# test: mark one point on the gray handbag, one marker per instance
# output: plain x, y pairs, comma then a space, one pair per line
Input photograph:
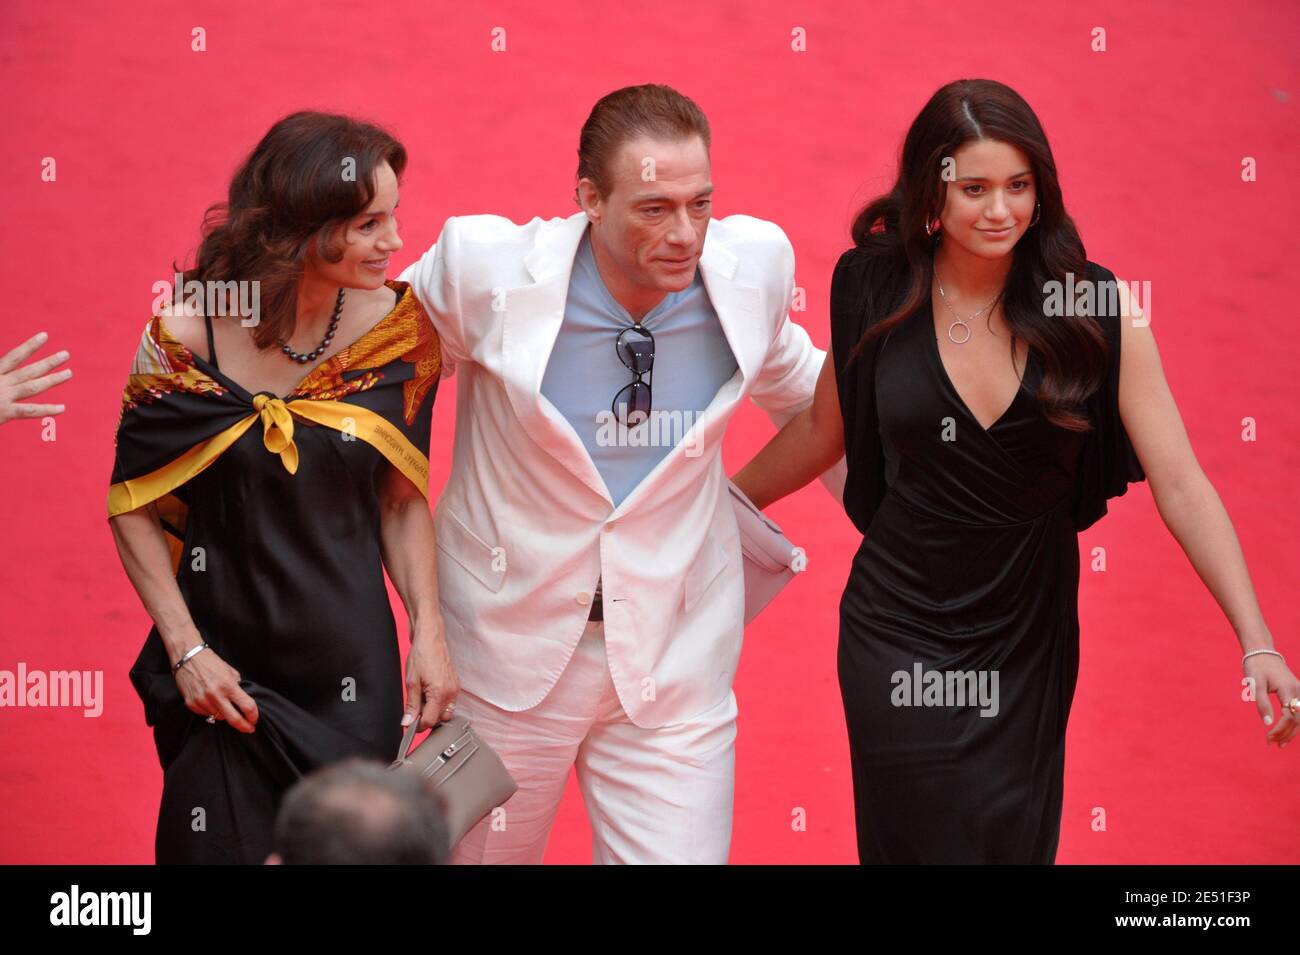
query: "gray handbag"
465, 771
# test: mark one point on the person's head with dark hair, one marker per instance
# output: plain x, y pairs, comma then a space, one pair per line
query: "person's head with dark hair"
977, 188
360, 812
643, 179
315, 199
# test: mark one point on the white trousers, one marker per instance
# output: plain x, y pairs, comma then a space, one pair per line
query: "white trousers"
653, 795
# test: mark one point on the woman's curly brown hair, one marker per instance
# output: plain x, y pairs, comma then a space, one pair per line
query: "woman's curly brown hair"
308, 177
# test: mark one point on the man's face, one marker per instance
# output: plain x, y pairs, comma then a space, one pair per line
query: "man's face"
652, 223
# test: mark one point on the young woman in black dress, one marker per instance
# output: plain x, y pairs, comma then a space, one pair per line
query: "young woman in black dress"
983, 430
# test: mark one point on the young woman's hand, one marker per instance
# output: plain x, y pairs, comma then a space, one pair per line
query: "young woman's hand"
1271, 675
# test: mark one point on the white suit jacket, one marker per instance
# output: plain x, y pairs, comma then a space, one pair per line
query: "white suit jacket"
525, 525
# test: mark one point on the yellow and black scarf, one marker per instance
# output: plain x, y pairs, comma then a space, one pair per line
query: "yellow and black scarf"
180, 413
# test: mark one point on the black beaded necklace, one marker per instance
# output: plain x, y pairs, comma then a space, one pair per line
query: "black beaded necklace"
319, 350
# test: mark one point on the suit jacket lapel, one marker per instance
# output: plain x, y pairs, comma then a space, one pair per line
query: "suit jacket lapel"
533, 316
736, 306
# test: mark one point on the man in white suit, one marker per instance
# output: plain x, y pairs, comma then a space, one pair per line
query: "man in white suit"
589, 562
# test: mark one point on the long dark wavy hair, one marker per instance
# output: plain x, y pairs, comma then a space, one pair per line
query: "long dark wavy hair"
1073, 349
292, 194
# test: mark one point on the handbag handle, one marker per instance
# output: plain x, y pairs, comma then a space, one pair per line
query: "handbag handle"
408, 737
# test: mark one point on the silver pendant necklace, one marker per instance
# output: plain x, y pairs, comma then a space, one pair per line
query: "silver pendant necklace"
958, 319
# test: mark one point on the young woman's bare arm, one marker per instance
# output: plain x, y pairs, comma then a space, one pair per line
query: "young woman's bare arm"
1193, 512
810, 442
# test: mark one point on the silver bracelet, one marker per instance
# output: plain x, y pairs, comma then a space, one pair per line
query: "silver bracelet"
188, 654
1253, 652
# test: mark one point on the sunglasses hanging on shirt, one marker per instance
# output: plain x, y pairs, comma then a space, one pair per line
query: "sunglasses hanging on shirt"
636, 349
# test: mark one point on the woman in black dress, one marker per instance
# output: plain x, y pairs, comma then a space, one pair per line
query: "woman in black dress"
257, 528
986, 415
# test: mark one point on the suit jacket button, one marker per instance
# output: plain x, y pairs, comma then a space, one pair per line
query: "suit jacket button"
584, 598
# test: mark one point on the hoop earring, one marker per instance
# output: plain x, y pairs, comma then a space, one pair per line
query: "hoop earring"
928, 230
1038, 214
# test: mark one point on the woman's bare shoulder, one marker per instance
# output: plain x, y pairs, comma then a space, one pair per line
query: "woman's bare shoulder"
186, 326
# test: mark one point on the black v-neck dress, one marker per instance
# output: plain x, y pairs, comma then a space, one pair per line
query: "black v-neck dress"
959, 629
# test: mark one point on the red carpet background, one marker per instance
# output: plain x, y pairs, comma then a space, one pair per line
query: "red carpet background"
1149, 138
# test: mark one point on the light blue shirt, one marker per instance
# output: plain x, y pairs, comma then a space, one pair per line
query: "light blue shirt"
583, 374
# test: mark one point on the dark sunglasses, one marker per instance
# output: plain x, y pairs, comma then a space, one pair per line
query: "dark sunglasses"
636, 349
